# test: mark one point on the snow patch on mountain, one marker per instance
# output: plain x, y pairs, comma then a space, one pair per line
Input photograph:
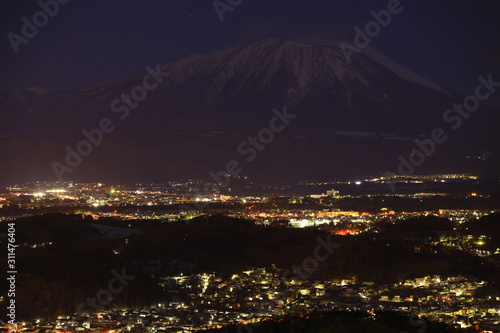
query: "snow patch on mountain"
403, 72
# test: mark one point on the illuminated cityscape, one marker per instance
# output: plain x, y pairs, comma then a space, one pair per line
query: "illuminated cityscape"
198, 299
248, 166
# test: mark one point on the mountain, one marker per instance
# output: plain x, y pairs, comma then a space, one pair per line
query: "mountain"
352, 118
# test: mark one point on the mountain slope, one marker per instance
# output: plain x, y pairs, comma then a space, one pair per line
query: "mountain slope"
233, 91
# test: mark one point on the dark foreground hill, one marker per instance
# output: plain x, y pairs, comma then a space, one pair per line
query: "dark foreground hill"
345, 322
64, 259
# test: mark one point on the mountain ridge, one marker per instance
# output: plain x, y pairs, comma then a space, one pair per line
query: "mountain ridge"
233, 91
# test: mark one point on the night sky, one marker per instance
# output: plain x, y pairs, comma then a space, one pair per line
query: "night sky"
89, 42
